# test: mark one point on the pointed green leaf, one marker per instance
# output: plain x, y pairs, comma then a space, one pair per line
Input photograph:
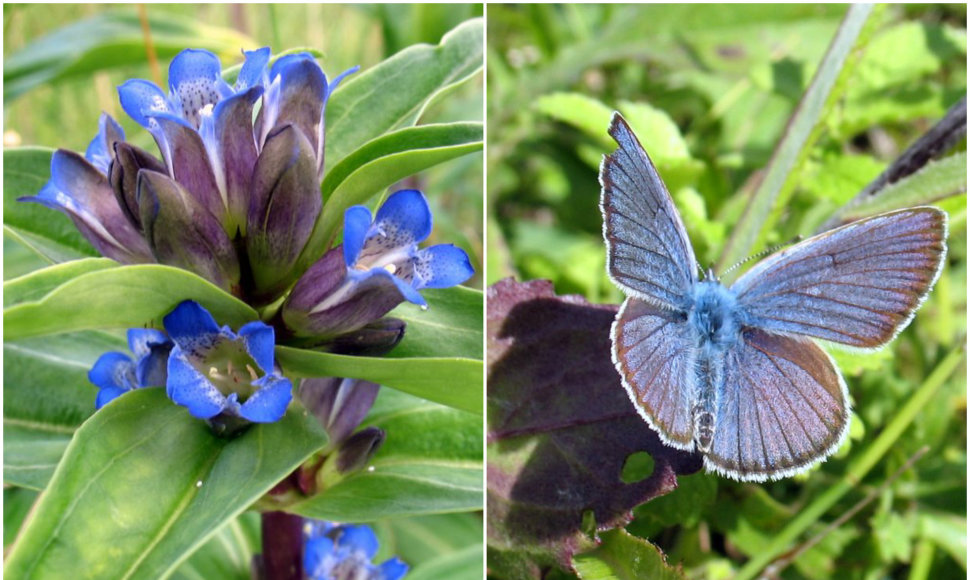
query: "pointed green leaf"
456, 382
46, 397
109, 40
143, 484
450, 327
147, 291
394, 93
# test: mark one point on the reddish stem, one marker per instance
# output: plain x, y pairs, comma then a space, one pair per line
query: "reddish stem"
282, 546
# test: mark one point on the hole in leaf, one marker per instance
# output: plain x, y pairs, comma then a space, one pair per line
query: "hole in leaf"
637, 467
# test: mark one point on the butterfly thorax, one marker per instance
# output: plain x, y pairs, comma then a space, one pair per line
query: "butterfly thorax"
714, 315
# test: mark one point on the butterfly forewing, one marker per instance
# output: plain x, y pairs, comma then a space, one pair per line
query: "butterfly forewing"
654, 353
648, 252
783, 407
857, 285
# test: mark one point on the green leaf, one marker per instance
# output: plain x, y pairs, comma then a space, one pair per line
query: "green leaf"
948, 531
227, 555
35, 285
935, 181
16, 505
803, 130
396, 92
450, 327
420, 539
147, 291
161, 479
49, 233
622, 556
46, 397
431, 462
110, 40
19, 259
382, 163
465, 564
587, 114
456, 382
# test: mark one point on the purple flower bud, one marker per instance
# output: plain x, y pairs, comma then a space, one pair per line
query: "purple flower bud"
283, 207
182, 233
79, 187
339, 404
356, 452
123, 175
375, 339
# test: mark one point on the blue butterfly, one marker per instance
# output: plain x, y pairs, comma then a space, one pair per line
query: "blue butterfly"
733, 372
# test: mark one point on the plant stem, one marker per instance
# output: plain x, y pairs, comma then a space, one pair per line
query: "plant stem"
282, 546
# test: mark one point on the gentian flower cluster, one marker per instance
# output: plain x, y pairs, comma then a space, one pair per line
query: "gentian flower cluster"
344, 552
234, 197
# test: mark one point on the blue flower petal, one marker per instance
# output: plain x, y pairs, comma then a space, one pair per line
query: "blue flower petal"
285, 61
318, 556
393, 569
360, 538
187, 387
195, 79
101, 149
260, 340
269, 403
139, 98
113, 370
191, 327
336, 81
141, 340
441, 266
404, 218
357, 220
107, 395
253, 68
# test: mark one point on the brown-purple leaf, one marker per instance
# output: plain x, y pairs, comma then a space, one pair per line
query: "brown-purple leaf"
560, 429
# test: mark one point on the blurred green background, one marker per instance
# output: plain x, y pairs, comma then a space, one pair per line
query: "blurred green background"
63, 62
709, 90
61, 66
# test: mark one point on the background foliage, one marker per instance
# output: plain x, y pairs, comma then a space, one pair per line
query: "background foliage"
61, 67
709, 90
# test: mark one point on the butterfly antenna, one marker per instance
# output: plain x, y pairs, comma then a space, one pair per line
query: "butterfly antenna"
763, 253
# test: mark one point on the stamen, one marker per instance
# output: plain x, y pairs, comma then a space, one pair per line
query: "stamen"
213, 372
252, 373
391, 268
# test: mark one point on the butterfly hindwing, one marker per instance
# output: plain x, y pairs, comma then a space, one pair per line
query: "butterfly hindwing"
857, 285
648, 251
783, 407
655, 355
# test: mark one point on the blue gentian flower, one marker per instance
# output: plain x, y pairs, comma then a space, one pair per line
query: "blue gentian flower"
344, 552
213, 371
115, 373
378, 267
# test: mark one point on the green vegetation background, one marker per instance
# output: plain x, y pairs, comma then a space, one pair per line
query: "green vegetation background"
709, 89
